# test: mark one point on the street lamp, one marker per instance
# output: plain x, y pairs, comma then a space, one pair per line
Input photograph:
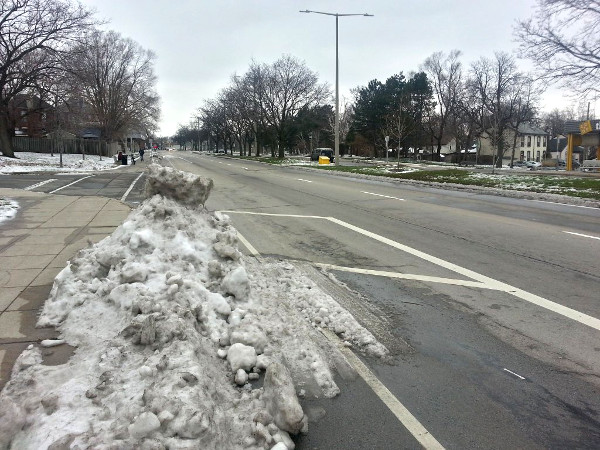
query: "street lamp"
337, 78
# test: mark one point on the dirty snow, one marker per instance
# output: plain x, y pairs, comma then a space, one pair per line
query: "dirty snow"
45, 162
8, 209
181, 342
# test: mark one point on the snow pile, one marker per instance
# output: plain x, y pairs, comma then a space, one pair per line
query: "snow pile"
8, 209
45, 162
187, 189
181, 342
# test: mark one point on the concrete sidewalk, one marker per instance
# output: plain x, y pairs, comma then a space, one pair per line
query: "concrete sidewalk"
47, 231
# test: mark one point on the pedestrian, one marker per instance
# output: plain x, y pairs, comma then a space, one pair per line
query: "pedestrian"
141, 154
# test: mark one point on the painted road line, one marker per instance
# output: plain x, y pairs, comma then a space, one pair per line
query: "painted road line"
251, 213
492, 284
575, 315
582, 235
565, 204
410, 422
384, 196
41, 183
249, 246
407, 276
515, 374
306, 181
131, 187
70, 184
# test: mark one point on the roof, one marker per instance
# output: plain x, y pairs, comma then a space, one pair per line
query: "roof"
133, 134
94, 133
527, 128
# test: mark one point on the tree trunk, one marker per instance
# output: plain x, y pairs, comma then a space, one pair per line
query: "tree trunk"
514, 148
5, 137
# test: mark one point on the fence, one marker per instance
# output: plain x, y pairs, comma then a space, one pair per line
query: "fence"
78, 145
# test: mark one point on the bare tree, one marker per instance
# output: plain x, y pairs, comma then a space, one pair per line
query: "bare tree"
289, 86
115, 76
33, 35
563, 38
445, 73
497, 89
526, 95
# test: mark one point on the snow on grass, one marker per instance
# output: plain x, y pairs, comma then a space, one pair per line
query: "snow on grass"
181, 342
45, 162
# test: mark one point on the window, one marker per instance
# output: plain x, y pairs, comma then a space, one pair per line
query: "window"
528, 141
528, 155
544, 141
522, 141
538, 140
537, 157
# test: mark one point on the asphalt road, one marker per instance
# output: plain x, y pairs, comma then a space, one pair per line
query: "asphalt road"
489, 305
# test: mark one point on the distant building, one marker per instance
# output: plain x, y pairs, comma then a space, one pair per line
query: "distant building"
531, 144
30, 116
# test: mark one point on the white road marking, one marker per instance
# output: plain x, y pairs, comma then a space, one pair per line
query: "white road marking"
249, 246
565, 204
41, 183
380, 195
515, 374
70, 184
411, 423
577, 316
582, 235
407, 276
131, 187
306, 181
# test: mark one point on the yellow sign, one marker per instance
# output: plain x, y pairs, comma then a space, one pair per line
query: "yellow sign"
585, 127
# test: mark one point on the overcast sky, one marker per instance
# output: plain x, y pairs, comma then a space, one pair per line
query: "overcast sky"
199, 44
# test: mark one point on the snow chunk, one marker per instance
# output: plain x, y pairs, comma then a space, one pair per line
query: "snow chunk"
241, 377
250, 334
236, 283
187, 189
145, 424
281, 400
241, 356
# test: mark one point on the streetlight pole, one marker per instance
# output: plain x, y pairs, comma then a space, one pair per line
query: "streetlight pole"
337, 78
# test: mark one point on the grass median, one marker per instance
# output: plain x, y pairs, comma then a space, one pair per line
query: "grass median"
573, 186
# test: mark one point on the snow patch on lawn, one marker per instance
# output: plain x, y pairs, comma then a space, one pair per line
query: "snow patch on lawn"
44, 162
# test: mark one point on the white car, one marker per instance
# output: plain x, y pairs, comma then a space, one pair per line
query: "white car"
533, 165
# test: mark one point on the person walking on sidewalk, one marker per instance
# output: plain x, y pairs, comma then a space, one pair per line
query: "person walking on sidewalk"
141, 154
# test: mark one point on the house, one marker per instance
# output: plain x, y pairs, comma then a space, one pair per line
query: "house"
136, 140
30, 116
530, 145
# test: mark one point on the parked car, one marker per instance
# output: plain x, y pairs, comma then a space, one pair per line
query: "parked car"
533, 165
563, 163
314, 155
519, 163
